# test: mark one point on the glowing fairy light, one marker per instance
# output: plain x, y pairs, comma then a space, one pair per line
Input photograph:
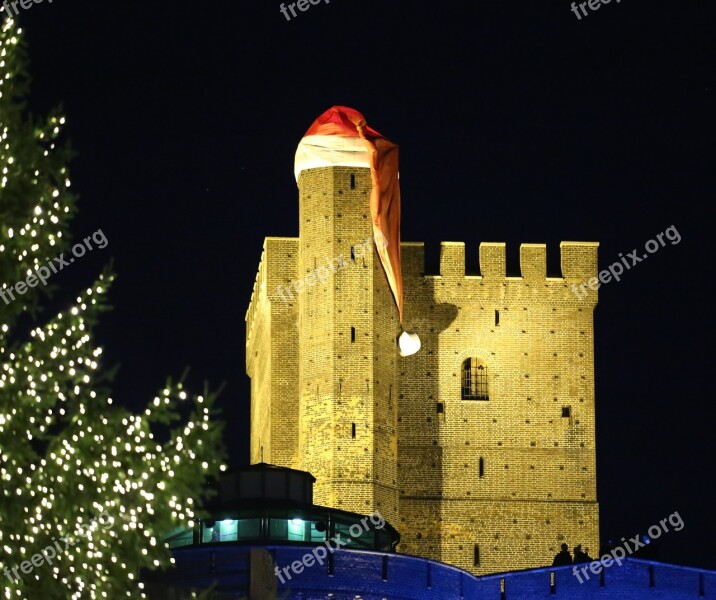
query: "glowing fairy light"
67, 455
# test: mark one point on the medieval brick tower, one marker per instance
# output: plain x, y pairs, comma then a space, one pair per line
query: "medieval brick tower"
480, 448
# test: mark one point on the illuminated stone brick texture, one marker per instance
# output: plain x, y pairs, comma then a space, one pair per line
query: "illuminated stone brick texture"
480, 448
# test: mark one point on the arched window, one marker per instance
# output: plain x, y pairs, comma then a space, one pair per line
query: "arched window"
474, 380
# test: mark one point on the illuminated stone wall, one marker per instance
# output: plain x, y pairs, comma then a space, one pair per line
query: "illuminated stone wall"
535, 434
330, 394
338, 327
271, 330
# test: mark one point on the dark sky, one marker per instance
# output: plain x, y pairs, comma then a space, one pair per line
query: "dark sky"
517, 122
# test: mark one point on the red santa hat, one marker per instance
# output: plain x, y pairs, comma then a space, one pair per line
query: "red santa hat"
341, 137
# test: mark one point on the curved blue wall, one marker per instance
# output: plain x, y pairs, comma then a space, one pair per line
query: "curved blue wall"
378, 576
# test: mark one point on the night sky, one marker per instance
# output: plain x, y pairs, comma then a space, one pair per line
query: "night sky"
517, 122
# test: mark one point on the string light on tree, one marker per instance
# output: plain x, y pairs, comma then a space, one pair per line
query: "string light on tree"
67, 452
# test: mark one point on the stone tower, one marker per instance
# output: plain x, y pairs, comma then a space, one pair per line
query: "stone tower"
480, 449
347, 325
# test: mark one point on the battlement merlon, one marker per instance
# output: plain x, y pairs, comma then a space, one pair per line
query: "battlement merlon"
493, 260
578, 261
278, 266
533, 262
412, 259
452, 259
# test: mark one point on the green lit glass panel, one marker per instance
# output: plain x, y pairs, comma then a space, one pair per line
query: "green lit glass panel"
297, 530
366, 539
317, 531
228, 530
248, 529
210, 534
180, 537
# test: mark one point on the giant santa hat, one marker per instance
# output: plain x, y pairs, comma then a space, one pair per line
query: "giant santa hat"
340, 137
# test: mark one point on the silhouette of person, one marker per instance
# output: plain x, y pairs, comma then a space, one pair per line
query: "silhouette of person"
579, 556
563, 557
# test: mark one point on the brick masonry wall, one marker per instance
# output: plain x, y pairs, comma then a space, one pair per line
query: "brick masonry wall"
347, 327
314, 380
272, 329
538, 486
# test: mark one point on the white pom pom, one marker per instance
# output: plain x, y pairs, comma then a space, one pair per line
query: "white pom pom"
409, 343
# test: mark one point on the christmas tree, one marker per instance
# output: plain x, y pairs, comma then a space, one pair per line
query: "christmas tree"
86, 488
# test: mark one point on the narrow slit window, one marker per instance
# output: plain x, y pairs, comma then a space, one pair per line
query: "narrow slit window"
353, 253
440, 408
497, 318
482, 467
353, 334
353, 181
353, 430
477, 555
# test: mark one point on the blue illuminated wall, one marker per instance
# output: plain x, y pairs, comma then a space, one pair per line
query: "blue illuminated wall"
378, 576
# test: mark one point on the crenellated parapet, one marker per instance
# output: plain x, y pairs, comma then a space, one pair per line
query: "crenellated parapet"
258, 295
578, 261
